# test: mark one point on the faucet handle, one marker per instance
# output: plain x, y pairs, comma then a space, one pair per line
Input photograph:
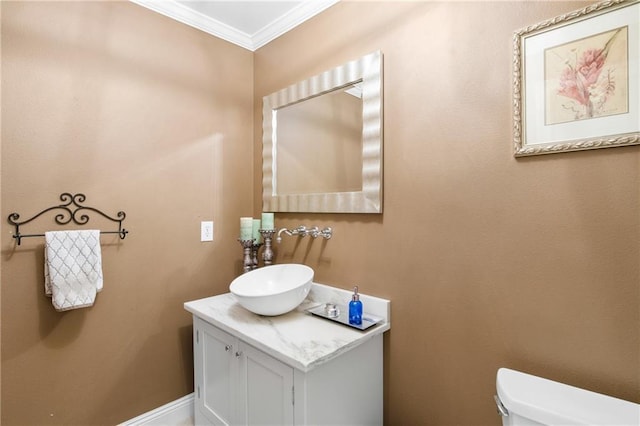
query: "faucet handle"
326, 233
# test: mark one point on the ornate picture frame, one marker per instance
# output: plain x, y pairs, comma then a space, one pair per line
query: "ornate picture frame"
576, 80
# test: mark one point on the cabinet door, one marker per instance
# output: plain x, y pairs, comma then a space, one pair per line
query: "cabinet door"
266, 394
215, 374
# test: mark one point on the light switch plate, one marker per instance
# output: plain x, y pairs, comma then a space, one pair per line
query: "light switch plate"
206, 231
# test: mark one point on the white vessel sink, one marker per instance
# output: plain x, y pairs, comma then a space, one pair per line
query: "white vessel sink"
273, 290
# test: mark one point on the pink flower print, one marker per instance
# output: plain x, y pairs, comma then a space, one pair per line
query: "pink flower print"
571, 87
590, 65
575, 83
582, 83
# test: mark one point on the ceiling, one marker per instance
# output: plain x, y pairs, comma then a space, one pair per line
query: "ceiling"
249, 24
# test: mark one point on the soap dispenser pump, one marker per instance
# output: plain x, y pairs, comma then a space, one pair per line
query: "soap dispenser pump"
355, 308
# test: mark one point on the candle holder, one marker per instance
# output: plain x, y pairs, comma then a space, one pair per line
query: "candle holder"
247, 262
267, 254
254, 254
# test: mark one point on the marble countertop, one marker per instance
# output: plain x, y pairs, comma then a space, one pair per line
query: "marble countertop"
297, 338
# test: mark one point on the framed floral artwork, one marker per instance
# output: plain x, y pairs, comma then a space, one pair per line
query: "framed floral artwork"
576, 80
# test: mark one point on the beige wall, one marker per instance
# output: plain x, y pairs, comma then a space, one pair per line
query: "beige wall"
142, 114
489, 261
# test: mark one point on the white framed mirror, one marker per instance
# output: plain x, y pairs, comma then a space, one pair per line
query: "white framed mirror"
322, 142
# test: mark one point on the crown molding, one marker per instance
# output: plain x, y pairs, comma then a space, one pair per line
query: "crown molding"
296, 16
181, 13
288, 21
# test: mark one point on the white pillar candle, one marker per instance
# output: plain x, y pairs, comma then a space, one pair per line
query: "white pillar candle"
246, 228
267, 221
256, 231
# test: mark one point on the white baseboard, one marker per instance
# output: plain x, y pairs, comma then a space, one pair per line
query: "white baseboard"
178, 412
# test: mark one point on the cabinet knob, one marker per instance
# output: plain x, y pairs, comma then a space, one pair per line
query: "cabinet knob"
238, 354
227, 348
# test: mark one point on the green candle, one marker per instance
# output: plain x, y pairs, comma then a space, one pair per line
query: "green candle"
256, 231
246, 228
267, 221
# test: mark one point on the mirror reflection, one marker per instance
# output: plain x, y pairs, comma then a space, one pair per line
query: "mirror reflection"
319, 143
322, 142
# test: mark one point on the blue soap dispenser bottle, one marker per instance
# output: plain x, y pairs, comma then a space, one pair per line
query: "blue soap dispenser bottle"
355, 308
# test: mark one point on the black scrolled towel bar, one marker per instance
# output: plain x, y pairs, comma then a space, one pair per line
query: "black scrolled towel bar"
71, 210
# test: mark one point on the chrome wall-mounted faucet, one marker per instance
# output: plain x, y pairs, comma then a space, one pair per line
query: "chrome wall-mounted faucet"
303, 231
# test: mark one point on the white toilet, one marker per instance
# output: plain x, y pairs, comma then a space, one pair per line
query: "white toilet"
526, 400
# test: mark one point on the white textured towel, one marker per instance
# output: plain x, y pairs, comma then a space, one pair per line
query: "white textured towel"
72, 268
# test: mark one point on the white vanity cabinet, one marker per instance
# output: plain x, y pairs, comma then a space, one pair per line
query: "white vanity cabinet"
237, 384
294, 369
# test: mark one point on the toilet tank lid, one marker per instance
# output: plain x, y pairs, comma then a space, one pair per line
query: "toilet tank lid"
550, 402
